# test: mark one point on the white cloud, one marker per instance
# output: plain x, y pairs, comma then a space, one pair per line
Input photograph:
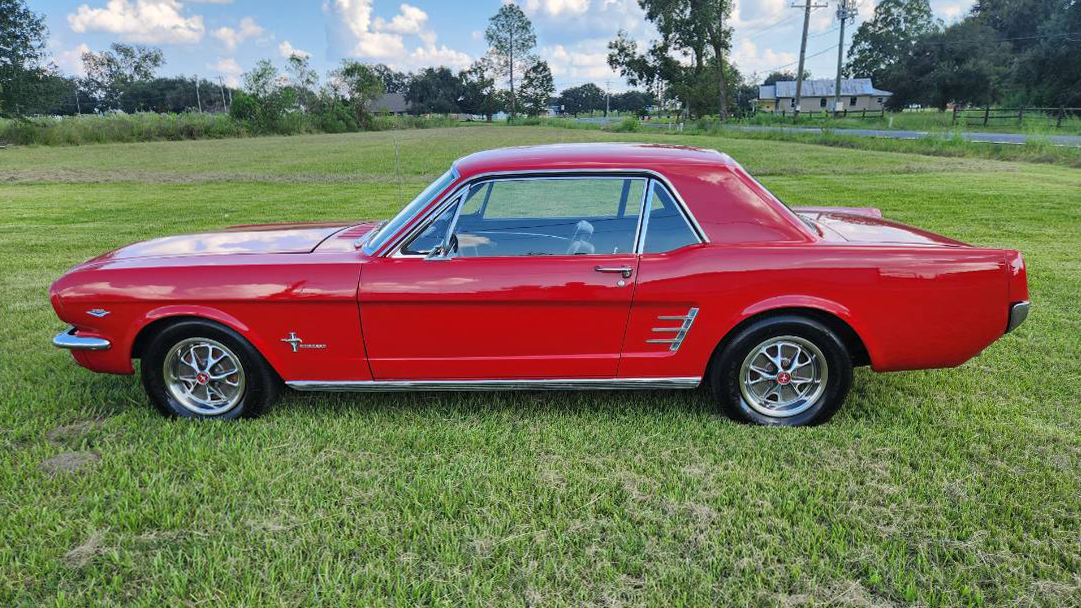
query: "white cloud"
287, 50
556, 8
72, 60
426, 56
356, 17
569, 21
586, 61
146, 21
229, 68
247, 28
353, 30
749, 59
409, 20
761, 13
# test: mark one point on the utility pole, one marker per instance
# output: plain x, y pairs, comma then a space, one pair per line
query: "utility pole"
845, 10
78, 108
221, 85
806, 6
198, 101
607, 97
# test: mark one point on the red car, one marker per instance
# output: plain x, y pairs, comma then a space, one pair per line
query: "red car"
580, 266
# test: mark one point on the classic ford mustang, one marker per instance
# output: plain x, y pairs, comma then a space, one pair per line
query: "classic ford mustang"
580, 266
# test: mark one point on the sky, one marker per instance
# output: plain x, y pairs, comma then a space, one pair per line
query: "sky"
224, 38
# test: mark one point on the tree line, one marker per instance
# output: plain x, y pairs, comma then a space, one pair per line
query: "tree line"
125, 78
1017, 53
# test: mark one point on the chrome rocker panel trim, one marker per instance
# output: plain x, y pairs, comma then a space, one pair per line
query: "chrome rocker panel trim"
382, 386
67, 339
1018, 314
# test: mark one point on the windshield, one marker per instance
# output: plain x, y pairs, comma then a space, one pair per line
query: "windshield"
388, 229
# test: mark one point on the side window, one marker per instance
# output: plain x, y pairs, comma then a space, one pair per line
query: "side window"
431, 236
550, 216
666, 228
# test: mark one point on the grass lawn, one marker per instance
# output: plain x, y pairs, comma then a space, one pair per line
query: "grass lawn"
938, 488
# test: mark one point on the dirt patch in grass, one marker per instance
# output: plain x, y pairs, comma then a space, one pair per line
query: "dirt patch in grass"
73, 431
82, 554
69, 462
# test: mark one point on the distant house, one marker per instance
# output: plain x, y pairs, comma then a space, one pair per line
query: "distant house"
389, 103
817, 96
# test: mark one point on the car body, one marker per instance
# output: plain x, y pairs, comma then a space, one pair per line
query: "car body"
535, 267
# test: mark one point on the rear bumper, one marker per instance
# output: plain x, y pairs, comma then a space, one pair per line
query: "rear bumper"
1018, 314
68, 340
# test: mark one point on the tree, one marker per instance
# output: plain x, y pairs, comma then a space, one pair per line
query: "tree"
510, 40
785, 76
537, 88
1050, 69
887, 39
584, 98
265, 103
435, 91
479, 94
636, 102
696, 28
361, 85
303, 79
393, 80
22, 49
963, 64
111, 74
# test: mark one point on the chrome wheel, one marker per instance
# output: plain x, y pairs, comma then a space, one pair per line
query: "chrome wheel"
204, 376
783, 376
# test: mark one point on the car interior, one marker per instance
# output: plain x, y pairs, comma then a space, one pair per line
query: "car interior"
507, 218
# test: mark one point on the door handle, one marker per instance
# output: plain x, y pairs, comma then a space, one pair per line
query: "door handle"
623, 270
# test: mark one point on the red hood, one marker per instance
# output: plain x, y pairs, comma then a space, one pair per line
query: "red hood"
266, 238
869, 227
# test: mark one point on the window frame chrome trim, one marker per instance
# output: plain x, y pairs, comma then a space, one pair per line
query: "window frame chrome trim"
562, 384
648, 207
394, 245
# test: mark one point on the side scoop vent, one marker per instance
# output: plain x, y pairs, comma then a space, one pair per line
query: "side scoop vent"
679, 332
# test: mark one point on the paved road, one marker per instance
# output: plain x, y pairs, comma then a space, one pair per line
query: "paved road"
990, 138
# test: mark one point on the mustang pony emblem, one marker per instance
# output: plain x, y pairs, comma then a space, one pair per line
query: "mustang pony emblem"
296, 343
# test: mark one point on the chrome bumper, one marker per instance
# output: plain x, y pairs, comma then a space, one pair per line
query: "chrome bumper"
1018, 314
67, 339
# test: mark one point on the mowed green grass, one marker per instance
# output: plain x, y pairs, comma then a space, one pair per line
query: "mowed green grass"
937, 488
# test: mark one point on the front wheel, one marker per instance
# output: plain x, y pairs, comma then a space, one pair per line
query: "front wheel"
199, 369
786, 370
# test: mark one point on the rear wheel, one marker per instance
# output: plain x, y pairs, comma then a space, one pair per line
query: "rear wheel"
786, 370
199, 369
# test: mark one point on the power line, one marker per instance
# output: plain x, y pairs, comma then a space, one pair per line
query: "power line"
787, 65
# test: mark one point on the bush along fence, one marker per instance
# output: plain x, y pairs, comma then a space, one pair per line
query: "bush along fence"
987, 115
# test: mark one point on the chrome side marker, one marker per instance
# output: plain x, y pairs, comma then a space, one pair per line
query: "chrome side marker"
681, 331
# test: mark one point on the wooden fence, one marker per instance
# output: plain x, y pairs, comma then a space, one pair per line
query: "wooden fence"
988, 116
865, 113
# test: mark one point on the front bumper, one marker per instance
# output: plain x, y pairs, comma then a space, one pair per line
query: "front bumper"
68, 340
1018, 314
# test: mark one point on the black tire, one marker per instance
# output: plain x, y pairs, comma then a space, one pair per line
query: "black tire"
726, 381
260, 385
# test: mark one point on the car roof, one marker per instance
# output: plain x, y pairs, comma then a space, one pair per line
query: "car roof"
586, 156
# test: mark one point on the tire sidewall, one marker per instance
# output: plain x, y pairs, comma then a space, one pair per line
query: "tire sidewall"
259, 381
725, 376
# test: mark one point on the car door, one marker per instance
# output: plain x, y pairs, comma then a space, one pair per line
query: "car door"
513, 278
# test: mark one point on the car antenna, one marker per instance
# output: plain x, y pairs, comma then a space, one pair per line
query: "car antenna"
397, 163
